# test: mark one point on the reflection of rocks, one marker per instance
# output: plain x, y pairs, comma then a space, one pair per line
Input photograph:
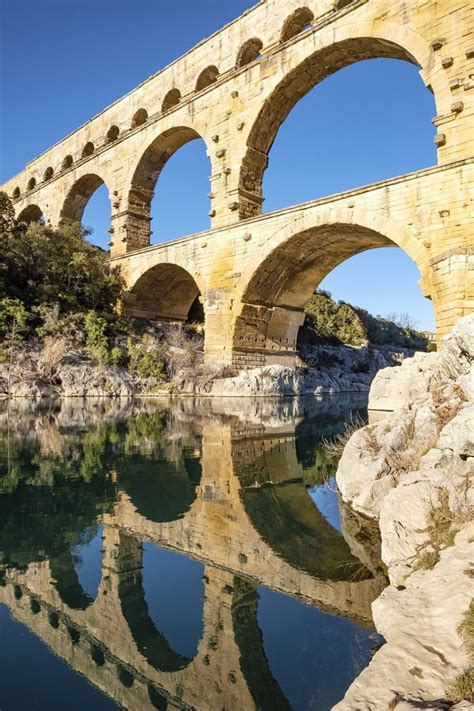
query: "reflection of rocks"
413, 472
363, 538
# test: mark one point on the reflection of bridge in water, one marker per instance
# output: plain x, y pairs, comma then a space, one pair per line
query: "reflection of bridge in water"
247, 503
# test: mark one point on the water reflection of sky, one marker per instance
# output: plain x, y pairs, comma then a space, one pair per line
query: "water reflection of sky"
325, 498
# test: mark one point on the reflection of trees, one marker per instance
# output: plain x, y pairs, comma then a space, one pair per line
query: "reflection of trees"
160, 490
55, 481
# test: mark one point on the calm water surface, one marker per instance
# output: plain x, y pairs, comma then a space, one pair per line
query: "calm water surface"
180, 555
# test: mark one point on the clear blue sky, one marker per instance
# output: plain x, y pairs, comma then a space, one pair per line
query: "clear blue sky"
62, 61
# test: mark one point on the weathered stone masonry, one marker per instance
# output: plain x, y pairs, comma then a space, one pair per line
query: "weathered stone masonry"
254, 273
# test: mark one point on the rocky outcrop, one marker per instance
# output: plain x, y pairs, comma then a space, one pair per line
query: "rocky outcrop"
413, 473
339, 369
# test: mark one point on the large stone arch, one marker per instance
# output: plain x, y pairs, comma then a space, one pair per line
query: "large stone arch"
145, 177
292, 262
78, 196
166, 291
31, 213
318, 58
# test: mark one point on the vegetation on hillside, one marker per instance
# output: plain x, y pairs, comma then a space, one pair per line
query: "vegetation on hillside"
342, 323
60, 293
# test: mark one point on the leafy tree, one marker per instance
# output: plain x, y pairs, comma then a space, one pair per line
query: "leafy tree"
41, 265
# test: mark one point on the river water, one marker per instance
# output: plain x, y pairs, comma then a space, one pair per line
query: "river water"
180, 555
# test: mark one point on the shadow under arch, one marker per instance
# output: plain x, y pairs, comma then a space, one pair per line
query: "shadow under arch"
32, 213
294, 263
160, 490
78, 196
167, 292
296, 84
145, 177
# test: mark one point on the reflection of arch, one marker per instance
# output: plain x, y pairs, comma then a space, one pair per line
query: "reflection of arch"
67, 583
293, 262
296, 23
172, 98
78, 197
139, 118
300, 80
159, 493
264, 688
157, 700
150, 642
249, 52
289, 522
165, 291
32, 213
146, 175
207, 77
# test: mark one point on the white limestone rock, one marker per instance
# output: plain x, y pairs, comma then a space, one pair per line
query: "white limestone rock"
424, 651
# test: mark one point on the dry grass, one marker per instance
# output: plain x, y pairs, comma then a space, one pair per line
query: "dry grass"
444, 522
462, 688
54, 351
426, 561
334, 447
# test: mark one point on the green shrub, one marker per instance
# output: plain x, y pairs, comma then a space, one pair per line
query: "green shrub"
13, 320
146, 359
96, 340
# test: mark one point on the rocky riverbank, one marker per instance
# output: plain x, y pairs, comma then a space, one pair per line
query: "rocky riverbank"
412, 471
328, 369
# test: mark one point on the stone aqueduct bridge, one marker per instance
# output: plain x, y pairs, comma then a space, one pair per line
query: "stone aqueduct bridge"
253, 272
113, 641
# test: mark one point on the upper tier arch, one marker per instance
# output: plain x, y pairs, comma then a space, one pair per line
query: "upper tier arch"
333, 51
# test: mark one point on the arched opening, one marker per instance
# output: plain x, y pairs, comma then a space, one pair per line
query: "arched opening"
78, 571
67, 162
32, 213
274, 299
88, 202
157, 700
88, 150
172, 98
249, 52
112, 134
48, 174
16, 193
299, 20
163, 606
165, 292
342, 3
139, 118
352, 102
207, 77
31, 184
180, 206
